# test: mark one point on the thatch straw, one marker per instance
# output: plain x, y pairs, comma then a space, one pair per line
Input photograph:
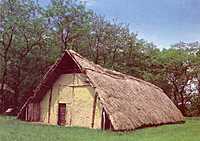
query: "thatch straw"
130, 102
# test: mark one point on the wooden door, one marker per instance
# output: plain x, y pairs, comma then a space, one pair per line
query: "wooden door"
105, 121
61, 114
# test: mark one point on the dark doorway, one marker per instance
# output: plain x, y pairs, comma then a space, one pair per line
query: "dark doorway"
105, 121
61, 114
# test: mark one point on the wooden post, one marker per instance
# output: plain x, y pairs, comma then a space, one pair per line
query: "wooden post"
103, 118
26, 109
73, 95
49, 108
94, 110
38, 111
32, 111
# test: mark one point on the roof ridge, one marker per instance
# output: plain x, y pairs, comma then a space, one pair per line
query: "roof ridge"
112, 73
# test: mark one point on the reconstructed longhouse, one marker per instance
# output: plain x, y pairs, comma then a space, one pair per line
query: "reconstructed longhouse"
77, 92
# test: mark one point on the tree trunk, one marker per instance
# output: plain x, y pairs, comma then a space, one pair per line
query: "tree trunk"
16, 104
113, 57
3, 84
183, 106
96, 61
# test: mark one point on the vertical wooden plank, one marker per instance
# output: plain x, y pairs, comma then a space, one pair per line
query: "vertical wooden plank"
49, 107
32, 112
26, 116
35, 111
38, 109
103, 118
94, 110
73, 95
29, 112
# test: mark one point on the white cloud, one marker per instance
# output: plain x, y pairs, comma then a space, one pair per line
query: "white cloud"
89, 2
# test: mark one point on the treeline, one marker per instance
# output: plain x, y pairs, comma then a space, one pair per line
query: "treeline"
32, 37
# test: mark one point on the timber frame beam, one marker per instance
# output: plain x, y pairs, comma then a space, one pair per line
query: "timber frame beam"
49, 106
94, 110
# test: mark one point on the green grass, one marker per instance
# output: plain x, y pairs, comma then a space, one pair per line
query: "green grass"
14, 130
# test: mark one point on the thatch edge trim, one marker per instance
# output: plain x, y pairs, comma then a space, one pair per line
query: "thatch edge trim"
151, 126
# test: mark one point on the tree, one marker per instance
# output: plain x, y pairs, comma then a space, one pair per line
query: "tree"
68, 21
176, 74
21, 37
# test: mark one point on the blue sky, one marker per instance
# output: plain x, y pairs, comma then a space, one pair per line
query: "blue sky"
163, 22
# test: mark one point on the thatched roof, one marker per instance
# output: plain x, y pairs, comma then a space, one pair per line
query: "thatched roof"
130, 102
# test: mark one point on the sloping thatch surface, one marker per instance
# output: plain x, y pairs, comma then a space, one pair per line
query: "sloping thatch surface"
130, 102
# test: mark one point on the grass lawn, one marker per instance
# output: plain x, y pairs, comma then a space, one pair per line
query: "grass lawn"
14, 130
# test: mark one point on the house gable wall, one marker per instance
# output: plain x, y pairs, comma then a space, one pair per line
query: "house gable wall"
74, 91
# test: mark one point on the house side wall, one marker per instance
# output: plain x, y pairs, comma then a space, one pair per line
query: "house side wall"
98, 112
33, 112
74, 91
83, 104
44, 108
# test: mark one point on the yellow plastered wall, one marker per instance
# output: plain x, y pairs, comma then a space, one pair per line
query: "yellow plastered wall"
78, 95
98, 112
